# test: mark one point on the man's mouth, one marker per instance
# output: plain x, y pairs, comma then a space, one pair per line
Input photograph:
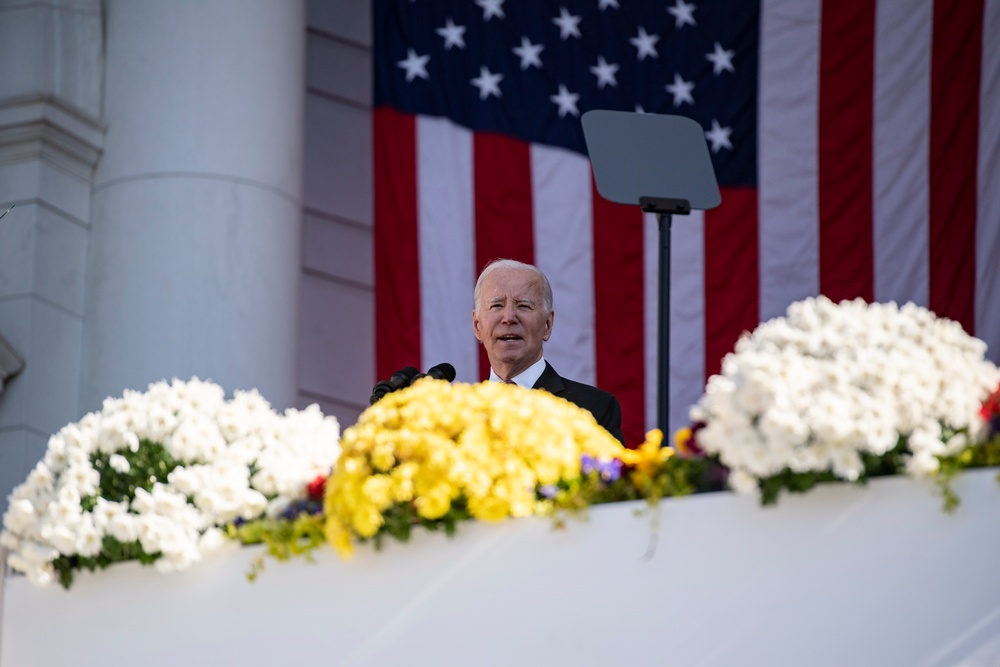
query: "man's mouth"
508, 338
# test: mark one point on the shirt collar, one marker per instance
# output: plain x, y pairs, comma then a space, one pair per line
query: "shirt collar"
528, 378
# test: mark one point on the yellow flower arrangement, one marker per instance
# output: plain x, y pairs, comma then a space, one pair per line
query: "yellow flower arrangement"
435, 454
438, 452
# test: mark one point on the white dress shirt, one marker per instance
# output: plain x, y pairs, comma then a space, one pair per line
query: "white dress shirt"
527, 379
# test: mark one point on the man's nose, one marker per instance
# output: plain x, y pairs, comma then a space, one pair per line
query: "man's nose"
509, 313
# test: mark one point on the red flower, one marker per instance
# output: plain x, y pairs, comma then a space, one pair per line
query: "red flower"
991, 406
316, 487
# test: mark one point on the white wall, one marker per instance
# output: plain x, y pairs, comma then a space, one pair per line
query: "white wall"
337, 329
870, 576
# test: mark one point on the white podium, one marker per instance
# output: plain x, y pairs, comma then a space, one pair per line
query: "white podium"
877, 575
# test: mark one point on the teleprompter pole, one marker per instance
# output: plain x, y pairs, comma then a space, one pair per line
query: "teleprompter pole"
663, 316
664, 208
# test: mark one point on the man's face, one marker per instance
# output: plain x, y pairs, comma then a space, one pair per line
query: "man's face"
510, 320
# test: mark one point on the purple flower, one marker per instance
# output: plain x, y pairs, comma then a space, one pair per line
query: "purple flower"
588, 464
610, 470
548, 490
299, 507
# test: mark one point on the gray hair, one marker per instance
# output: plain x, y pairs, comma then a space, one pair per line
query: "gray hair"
513, 264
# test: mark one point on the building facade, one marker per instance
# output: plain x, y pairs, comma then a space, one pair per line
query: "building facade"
192, 192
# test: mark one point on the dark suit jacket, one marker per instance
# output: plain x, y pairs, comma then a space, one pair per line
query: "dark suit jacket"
601, 404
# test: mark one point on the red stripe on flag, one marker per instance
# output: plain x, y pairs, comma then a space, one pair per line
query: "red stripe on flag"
503, 205
732, 273
618, 310
397, 270
846, 103
955, 72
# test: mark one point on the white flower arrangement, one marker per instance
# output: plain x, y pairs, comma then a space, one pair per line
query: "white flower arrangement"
829, 384
154, 476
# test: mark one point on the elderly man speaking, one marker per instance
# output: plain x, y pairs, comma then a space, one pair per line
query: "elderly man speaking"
512, 319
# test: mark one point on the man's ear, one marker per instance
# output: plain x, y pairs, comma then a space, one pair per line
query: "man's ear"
475, 326
548, 325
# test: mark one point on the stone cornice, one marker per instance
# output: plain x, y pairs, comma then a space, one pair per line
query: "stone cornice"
43, 126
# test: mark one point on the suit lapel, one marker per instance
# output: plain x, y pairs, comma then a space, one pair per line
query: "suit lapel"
550, 381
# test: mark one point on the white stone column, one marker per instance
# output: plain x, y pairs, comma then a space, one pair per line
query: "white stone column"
194, 260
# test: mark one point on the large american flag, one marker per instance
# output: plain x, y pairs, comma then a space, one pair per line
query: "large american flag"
856, 145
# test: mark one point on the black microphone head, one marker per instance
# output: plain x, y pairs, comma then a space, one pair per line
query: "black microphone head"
443, 371
403, 377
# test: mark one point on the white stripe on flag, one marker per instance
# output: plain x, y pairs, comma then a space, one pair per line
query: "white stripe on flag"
787, 148
687, 316
447, 251
901, 148
988, 187
564, 251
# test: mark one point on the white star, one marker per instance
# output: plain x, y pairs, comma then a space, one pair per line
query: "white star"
681, 90
604, 4
454, 35
719, 136
566, 101
645, 43
683, 13
491, 8
568, 24
414, 65
605, 73
721, 59
529, 53
487, 83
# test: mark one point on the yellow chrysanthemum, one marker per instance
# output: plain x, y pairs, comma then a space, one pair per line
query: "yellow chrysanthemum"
378, 490
366, 520
434, 442
489, 508
340, 538
382, 457
434, 504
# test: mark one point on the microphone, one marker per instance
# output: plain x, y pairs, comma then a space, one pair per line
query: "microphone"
443, 371
401, 378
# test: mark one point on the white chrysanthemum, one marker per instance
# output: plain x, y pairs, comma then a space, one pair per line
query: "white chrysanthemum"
197, 438
9, 541
213, 541
119, 463
244, 415
105, 511
83, 478
217, 444
41, 479
816, 389
20, 515
56, 456
61, 536
123, 527
88, 537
